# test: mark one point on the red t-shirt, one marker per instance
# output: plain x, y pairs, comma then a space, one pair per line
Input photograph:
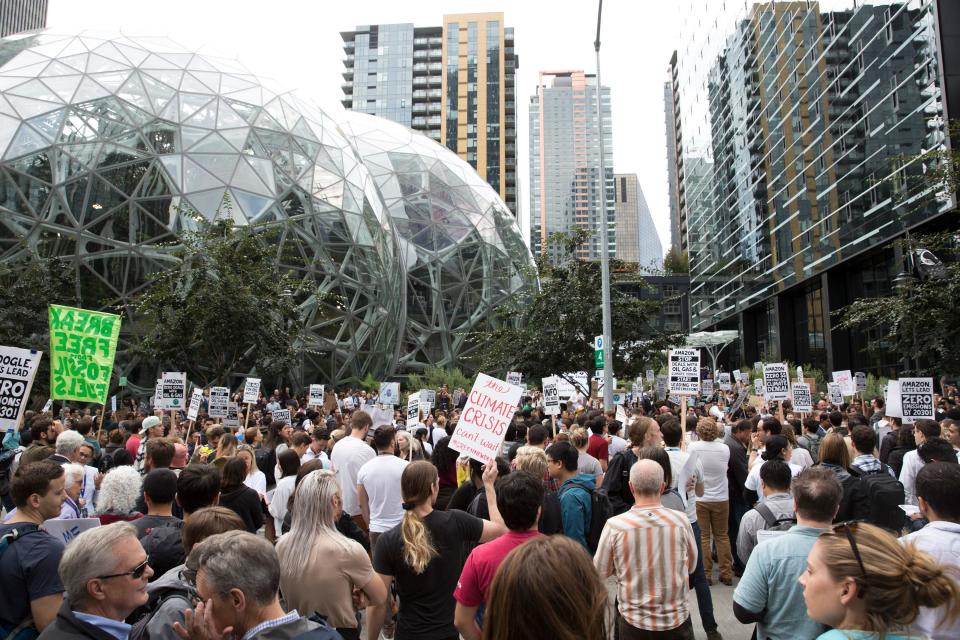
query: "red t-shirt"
133, 445
473, 587
597, 447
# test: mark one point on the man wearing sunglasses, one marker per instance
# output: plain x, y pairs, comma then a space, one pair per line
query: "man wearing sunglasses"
105, 573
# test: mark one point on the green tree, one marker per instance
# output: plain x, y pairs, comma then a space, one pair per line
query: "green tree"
225, 309
552, 332
676, 262
436, 377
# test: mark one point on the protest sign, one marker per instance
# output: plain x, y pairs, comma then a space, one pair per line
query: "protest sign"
217, 406
892, 399
835, 392
651, 377
316, 395
708, 388
381, 414
776, 381
724, 380
113, 404
48, 406
758, 388
845, 380
158, 394
621, 415
428, 396
860, 378
282, 415
684, 371
758, 366
916, 399
802, 400
598, 378
389, 393
67, 530
17, 370
413, 410
251, 390
173, 390
232, 418
83, 345
196, 399
514, 377
619, 398
551, 396
800, 374
485, 418
662, 382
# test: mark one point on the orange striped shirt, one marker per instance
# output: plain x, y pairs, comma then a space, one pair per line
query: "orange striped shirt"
652, 552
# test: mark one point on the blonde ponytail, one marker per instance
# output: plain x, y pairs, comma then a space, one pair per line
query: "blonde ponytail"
932, 586
416, 486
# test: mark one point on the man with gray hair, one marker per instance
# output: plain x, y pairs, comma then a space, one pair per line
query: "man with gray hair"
105, 573
67, 447
652, 552
238, 582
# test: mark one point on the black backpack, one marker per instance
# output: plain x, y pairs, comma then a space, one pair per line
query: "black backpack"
266, 460
772, 522
164, 547
6, 461
600, 511
884, 495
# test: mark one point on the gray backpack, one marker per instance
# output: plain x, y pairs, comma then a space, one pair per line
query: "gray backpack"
772, 522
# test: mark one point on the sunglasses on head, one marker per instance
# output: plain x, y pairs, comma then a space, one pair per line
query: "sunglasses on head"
849, 531
136, 573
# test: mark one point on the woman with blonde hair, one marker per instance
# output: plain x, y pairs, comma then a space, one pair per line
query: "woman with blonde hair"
835, 455
533, 460
409, 447
546, 588
586, 463
865, 584
425, 553
320, 568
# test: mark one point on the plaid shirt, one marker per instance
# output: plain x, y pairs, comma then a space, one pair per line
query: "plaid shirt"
868, 464
293, 616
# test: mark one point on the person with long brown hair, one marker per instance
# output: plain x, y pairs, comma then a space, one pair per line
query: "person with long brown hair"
546, 588
425, 554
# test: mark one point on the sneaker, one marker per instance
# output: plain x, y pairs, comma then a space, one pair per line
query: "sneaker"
714, 635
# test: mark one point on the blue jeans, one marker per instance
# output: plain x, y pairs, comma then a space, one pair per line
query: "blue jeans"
699, 581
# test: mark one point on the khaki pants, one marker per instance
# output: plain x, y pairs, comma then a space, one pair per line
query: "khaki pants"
713, 519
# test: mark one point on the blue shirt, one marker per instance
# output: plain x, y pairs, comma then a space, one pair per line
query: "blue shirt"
117, 628
849, 634
770, 582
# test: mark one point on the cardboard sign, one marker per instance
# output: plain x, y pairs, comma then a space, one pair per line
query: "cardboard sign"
282, 415
485, 418
380, 415
551, 396
802, 400
916, 399
662, 382
251, 390
835, 393
196, 399
316, 395
413, 410
758, 387
67, 530
173, 390
514, 377
708, 387
860, 378
892, 399
17, 370
233, 415
83, 345
724, 380
776, 381
389, 393
219, 397
684, 371
845, 380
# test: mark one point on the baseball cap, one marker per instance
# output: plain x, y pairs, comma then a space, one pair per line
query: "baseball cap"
148, 423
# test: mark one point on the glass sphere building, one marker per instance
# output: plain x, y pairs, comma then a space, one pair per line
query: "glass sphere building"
111, 145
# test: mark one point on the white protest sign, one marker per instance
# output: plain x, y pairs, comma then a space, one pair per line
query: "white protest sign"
113, 403
708, 388
485, 418
173, 390
217, 405
845, 380
514, 377
651, 376
916, 399
892, 399
618, 398
724, 380
17, 370
758, 388
551, 396
598, 378
835, 393
662, 382
158, 395
48, 405
758, 366
428, 396
316, 395
413, 410
621, 415
389, 393
282, 415
196, 399
684, 371
251, 390
776, 381
232, 419
802, 400
861, 380
67, 530
800, 374
381, 415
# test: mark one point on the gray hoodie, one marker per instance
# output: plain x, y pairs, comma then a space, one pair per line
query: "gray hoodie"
160, 626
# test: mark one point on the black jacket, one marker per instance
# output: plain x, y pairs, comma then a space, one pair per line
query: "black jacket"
736, 468
616, 481
67, 626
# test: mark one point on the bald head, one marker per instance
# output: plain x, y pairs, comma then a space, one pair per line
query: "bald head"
646, 478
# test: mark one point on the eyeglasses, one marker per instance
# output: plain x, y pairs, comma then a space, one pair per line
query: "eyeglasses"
848, 530
136, 573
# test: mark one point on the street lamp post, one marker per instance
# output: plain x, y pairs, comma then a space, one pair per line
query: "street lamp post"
604, 240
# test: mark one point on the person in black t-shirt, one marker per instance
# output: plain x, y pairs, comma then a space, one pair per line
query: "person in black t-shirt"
425, 555
159, 493
238, 497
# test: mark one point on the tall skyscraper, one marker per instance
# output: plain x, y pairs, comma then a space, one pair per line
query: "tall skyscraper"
802, 157
637, 239
17, 16
456, 83
671, 116
565, 185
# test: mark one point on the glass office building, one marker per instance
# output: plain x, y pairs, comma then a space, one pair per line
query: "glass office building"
800, 137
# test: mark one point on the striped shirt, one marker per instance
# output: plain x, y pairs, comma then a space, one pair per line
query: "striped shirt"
652, 552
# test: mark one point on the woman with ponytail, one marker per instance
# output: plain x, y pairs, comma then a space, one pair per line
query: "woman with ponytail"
425, 554
866, 585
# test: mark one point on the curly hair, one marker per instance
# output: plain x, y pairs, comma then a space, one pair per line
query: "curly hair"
707, 429
119, 491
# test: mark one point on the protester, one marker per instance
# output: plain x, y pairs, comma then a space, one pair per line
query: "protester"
408, 447
378, 485
119, 492
105, 573
652, 551
905, 443
317, 450
800, 456
43, 437
546, 588
151, 427
30, 587
644, 432
288, 463
445, 460
775, 509
237, 496
159, 493
320, 568
586, 463
424, 554
534, 461
737, 441
863, 584
923, 430
348, 456
835, 456
74, 506
713, 507
255, 479
597, 445
768, 593
575, 491
864, 443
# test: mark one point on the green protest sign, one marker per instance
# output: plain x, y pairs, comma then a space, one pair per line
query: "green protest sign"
83, 345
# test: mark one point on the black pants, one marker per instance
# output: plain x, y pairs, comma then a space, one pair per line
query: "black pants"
626, 631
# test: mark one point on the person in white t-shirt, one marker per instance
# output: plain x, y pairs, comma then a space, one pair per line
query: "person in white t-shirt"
317, 450
713, 508
349, 454
378, 485
776, 447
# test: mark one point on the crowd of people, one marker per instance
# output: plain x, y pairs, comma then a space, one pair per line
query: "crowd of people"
839, 524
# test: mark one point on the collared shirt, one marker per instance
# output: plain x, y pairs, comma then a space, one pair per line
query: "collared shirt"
293, 616
780, 504
652, 551
117, 628
941, 540
912, 463
770, 582
866, 462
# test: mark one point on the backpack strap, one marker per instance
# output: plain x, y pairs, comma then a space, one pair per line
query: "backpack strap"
766, 514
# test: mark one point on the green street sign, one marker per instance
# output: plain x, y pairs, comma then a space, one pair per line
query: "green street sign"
598, 359
123, 381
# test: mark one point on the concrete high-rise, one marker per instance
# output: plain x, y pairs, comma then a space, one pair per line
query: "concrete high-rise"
637, 239
671, 117
455, 82
17, 16
565, 185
